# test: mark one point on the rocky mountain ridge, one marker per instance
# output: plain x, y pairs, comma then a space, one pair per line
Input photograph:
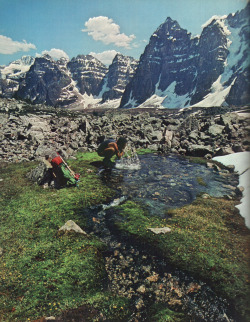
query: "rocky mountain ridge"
176, 70
83, 79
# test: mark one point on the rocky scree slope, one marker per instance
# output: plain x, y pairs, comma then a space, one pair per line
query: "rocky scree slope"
26, 136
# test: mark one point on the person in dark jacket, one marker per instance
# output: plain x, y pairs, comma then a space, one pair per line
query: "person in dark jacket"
109, 148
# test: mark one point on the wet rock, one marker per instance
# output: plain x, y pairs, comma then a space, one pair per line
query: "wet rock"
153, 278
239, 190
193, 287
199, 150
141, 289
140, 304
231, 168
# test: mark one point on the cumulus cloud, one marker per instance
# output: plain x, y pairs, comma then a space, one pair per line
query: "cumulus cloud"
9, 46
55, 53
105, 57
104, 29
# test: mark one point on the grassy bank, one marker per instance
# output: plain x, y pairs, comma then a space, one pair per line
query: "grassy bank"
43, 272
208, 239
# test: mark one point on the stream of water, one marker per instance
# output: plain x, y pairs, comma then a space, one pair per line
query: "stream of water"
159, 182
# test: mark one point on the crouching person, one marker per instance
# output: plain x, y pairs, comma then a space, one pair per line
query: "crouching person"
62, 175
109, 148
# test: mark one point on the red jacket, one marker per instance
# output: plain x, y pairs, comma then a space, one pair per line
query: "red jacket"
56, 161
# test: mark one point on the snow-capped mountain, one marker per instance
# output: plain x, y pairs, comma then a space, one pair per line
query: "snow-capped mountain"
17, 68
120, 72
12, 74
80, 82
177, 70
88, 73
48, 81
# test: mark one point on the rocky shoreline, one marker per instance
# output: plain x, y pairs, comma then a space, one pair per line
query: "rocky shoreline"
27, 131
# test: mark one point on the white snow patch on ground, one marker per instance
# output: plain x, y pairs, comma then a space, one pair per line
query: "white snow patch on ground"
241, 161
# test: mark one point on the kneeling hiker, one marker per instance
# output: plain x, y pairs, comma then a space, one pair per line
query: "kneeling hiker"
109, 148
64, 176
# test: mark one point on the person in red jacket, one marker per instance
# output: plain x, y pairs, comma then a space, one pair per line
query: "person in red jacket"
62, 175
109, 148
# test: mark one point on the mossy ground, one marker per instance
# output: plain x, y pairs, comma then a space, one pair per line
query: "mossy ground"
42, 272
208, 239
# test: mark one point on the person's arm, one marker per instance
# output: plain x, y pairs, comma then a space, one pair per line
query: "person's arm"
117, 152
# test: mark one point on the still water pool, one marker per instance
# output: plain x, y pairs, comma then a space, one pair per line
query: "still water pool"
168, 181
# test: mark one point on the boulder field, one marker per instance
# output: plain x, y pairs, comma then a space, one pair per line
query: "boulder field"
27, 131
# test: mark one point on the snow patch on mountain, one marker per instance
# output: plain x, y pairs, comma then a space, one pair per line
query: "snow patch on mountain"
169, 97
217, 95
105, 87
210, 20
17, 68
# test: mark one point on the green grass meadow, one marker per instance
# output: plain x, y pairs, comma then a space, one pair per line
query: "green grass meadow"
45, 273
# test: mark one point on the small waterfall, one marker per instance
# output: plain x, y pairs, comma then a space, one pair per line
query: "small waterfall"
130, 160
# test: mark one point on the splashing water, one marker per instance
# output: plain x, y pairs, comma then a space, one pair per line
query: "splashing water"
130, 160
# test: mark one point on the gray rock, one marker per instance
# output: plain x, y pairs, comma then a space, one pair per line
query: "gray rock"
37, 174
199, 150
215, 130
71, 226
163, 230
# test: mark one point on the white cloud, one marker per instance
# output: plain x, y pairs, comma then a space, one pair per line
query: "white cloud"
55, 53
9, 46
104, 29
105, 57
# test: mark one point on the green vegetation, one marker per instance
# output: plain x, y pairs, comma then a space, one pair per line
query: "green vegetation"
208, 239
158, 312
144, 151
201, 181
43, 272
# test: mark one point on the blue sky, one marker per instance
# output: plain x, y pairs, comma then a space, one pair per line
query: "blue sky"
101, 27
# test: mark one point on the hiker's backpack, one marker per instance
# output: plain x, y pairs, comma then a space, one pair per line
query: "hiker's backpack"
104, 145
56, 161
